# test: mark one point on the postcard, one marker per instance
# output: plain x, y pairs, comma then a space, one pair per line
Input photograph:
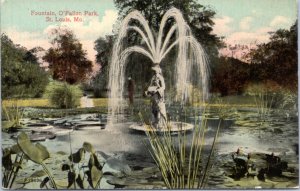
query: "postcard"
134, 94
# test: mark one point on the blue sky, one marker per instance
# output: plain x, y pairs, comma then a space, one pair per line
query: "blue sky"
240, 21
246, 21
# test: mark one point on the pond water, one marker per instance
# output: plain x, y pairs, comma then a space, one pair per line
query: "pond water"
278, 136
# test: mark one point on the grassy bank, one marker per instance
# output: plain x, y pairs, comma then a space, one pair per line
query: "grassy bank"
27, 102
243, 101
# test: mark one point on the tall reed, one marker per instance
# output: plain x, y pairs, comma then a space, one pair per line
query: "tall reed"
13, 116
178, 162
263, 102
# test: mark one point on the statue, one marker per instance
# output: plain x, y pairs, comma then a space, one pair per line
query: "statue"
191, 63
156, 91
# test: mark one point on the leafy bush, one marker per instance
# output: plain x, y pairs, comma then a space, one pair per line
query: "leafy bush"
63, 95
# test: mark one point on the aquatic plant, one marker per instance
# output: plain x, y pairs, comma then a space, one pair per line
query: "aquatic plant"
269, 96
10, 167
179, 166
37, 153
263, 99
86, 173
13, 116
222, 112
83, 175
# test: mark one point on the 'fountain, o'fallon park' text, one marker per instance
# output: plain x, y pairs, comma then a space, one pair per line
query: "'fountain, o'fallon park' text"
64, 16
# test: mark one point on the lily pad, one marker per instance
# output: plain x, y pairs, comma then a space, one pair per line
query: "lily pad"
41, 135
7, 124
38, 173
37, 153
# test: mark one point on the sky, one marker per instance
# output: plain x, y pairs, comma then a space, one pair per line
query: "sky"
239, 21
247, 21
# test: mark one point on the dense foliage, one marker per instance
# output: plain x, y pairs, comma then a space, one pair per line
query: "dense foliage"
277, 60
197, 16
230, 76
103, 46
63, 95
21, 75
67, 60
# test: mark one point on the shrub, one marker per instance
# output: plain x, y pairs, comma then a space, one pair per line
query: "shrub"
63, 95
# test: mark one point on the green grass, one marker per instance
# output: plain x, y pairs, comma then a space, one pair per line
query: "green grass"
100, 102
27, 102
246, 101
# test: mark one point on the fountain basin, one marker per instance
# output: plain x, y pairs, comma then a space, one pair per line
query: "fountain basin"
175, 127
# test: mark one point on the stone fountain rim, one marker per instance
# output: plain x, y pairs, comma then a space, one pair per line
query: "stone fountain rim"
142, 127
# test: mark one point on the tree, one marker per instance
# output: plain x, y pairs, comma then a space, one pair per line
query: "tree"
230, 76
67, 60
198, 17
103, 46
21, 75
277, 59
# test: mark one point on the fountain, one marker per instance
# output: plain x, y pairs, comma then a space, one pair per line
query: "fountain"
190, 55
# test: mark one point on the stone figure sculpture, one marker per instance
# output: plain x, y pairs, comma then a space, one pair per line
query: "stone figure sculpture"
157, 92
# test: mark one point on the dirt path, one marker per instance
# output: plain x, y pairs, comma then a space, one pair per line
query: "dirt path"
86, 102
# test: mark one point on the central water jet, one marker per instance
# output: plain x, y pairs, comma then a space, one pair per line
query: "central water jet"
190, 55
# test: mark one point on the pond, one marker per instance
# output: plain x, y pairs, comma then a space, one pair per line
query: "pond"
241, 131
